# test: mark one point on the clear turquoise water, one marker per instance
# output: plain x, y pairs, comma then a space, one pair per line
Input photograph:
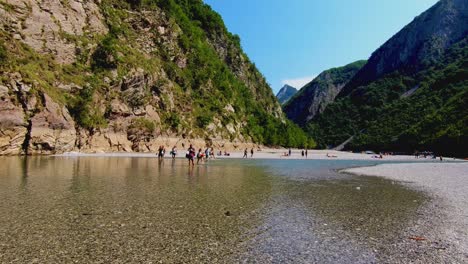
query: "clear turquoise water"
121, 210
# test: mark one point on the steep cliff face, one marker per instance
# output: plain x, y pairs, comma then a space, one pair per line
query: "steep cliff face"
115, 75
314, 97
417, 45
285, 93
409, 96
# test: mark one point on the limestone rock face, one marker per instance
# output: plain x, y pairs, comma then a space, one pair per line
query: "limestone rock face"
314, 97
418, 44
52, 129
44, 24
13, 128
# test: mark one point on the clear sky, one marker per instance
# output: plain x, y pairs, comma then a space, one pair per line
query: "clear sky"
292, 41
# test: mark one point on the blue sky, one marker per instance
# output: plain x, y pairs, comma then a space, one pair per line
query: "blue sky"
293, 41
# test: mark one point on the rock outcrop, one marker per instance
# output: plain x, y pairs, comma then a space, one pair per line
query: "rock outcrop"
52, 129
314, 97
47, 25
13, 127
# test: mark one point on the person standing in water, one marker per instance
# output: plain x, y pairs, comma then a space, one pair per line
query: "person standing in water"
190, 155
174, 152
161, 152
245, 154
207, 153
199, 156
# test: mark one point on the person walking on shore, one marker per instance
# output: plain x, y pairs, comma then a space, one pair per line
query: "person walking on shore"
251, 152
245, 154
289, 152
306, 153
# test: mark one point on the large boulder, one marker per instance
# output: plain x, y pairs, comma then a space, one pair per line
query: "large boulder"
13, 127
52, 129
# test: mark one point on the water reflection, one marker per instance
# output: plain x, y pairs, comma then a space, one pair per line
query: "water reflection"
88, 209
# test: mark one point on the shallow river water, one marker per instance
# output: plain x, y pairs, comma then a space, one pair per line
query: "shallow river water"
141, 210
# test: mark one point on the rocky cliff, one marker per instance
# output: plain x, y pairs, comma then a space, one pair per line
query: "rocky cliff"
314, 97
418, 45
411, 94
115, 75
285, 93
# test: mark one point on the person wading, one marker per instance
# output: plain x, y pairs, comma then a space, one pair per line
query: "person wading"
190, 155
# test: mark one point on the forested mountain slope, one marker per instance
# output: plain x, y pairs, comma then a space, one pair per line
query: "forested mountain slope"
411, 94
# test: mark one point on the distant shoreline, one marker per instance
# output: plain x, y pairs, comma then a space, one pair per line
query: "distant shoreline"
268, 154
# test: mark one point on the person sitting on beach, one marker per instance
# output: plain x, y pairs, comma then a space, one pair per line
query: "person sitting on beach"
227, 153
331, 156
190, 154
285, 154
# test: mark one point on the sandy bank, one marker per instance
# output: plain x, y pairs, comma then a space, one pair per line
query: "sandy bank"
265, 154
446, 182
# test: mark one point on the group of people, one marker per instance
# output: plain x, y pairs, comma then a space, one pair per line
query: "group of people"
304, 153
162, 151
246, 151
200, 155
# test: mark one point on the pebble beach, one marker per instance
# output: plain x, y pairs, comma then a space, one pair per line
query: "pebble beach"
447, 184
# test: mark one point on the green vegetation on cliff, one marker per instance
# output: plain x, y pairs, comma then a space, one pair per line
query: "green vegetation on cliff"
172, 57
401, 112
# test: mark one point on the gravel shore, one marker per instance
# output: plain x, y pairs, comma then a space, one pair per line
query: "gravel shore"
447, 183
267, 154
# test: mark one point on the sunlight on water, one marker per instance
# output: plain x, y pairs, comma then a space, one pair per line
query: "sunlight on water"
88, 209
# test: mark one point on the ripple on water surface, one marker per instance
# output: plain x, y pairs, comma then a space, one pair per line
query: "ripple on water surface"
89, 209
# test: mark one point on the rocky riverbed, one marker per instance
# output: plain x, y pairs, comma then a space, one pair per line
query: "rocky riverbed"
445, 219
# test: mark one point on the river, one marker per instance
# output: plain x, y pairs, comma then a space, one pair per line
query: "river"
141, 210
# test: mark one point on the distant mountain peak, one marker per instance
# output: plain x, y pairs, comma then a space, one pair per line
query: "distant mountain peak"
286, 93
